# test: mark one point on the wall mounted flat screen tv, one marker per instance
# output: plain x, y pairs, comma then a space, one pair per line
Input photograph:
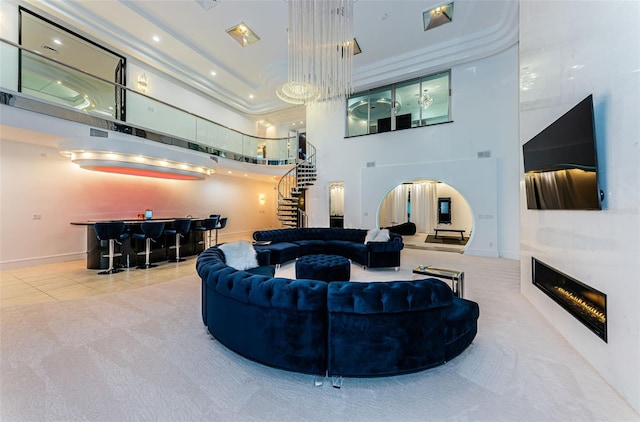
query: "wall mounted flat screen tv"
560, 163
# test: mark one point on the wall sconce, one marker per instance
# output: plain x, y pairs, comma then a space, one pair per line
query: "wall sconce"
262, 198
142, 83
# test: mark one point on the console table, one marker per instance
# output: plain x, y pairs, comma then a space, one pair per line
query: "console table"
450, 230
456, 277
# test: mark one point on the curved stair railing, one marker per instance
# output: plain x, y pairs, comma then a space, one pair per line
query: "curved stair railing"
291, 188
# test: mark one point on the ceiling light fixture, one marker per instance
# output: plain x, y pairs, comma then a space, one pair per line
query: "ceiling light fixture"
243, 34
321, 49
207, 4
435, 17
137, 157
425, 100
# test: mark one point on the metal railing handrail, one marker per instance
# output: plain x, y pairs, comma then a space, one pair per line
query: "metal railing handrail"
126, 88
116, 123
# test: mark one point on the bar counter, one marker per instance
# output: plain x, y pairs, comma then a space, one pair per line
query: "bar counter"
98, 250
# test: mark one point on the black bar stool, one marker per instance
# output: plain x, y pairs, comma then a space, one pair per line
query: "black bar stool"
179, 228
221, 225
150, 230
113, 231
208, 224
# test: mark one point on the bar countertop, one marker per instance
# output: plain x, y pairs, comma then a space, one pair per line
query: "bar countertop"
133, 220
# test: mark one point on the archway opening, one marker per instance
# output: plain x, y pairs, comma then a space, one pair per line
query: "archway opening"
429, 214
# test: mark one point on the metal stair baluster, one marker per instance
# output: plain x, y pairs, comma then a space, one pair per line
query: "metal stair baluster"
292, 185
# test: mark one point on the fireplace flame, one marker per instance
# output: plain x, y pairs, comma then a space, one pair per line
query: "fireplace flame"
582, 304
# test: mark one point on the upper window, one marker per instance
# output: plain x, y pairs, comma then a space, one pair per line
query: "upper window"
417, 102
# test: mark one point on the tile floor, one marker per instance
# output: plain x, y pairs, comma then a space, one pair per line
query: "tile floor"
72, 279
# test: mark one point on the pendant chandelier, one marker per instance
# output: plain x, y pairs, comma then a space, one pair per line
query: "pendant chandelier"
425, 100
321, 47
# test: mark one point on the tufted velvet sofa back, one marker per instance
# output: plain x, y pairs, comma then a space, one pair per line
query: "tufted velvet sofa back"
276, 321
377, 329
312, 233
386, 297
339, 328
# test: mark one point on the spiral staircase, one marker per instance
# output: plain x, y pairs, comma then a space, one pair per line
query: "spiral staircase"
291, 190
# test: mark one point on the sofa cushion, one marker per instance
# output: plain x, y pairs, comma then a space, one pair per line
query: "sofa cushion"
377, 235
371, 235
309, 247
283, 252
265, 270
239, 255
339, 247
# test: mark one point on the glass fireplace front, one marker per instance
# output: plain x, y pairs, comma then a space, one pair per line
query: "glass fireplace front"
586, 304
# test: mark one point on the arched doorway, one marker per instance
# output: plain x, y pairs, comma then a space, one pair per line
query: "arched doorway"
442, 216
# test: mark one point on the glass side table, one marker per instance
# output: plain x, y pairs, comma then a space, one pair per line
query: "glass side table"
456, 277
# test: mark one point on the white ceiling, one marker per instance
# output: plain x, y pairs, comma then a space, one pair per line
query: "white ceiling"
193, 42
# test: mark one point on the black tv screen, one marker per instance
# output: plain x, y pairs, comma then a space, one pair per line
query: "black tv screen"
560, 163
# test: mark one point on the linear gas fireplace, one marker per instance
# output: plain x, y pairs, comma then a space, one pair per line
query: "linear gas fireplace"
586, 304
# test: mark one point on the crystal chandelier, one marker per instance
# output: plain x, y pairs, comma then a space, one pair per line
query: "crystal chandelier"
425, 100
320, 51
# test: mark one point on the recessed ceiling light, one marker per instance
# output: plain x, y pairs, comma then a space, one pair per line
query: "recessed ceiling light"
207, 4
438, 16
57, 41
213, 73
251, 96
356, 47
156, 38
243, 34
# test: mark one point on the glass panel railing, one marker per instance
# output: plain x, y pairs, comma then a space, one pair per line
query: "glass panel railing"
37, 76
40, 77
148, 113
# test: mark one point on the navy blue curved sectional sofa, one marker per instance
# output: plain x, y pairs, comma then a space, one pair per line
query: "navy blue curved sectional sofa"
289, 244
359, 329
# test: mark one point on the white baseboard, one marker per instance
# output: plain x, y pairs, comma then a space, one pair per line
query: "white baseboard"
41, 260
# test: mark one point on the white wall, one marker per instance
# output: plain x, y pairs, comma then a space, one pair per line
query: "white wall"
35, 179
9, 55
484, 111
584, 48
461, 214
182, 96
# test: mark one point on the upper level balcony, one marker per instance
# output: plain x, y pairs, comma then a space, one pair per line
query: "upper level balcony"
32, 81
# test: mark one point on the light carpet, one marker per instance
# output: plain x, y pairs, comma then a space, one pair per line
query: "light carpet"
145, 355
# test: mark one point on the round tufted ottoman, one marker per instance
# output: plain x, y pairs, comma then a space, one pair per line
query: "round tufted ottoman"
323, 267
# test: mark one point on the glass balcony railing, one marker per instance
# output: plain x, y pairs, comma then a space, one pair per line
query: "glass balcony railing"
34, 76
